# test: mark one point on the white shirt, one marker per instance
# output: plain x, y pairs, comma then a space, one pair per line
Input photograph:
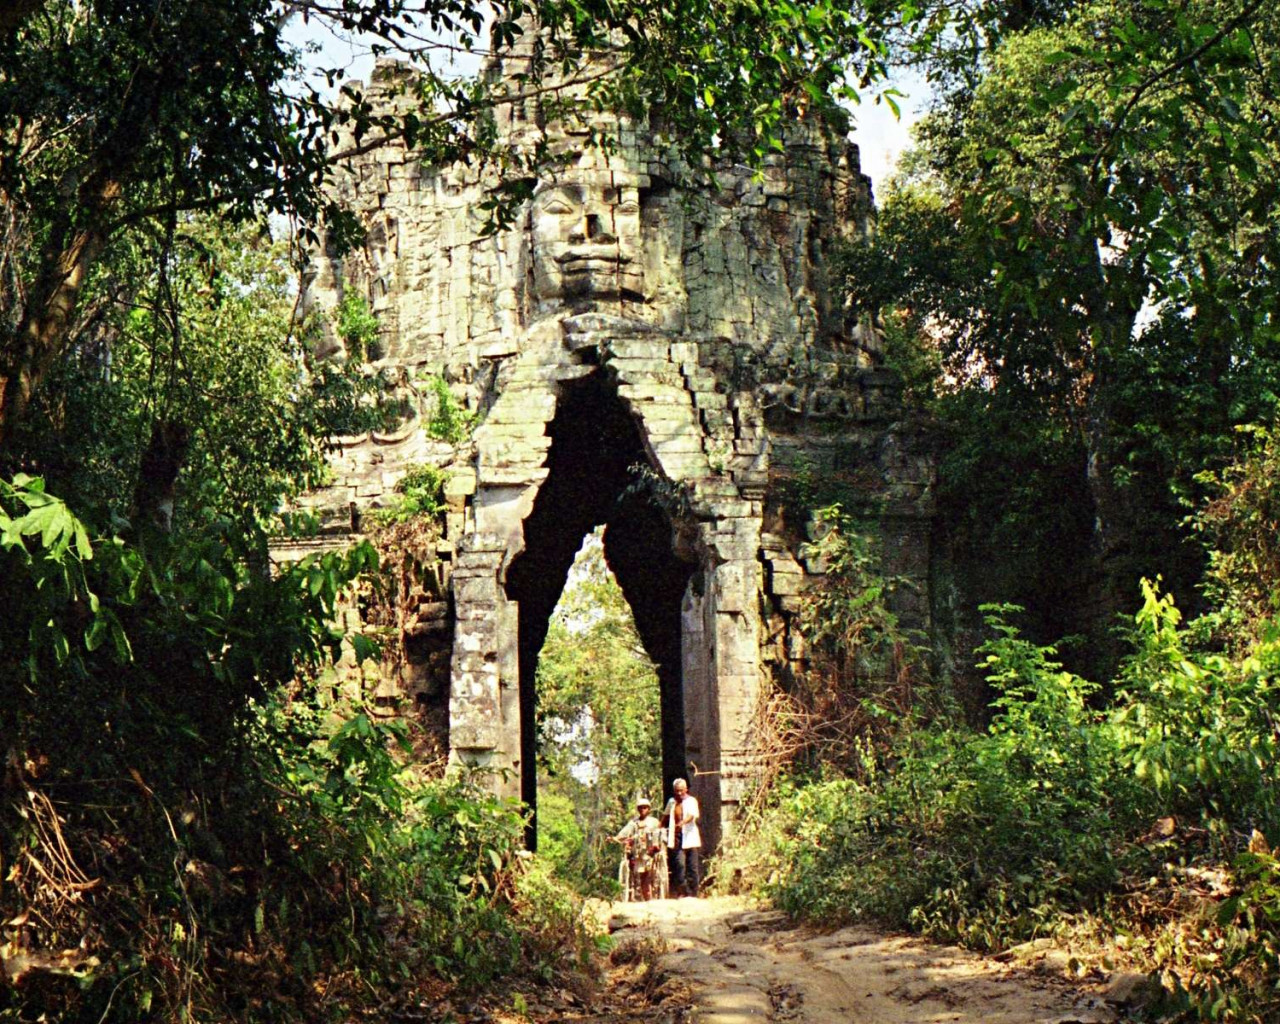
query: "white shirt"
690, 837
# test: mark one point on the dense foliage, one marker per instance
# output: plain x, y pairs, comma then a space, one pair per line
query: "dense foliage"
1075, 278
196, 396
1062, 809
598, 722
1076, 270
1131, 820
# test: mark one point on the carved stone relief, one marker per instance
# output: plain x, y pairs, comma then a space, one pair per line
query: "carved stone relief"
674, 301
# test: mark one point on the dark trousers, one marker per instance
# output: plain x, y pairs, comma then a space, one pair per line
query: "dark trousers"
688, 871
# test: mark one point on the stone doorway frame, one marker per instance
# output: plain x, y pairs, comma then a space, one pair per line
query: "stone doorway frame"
684, 424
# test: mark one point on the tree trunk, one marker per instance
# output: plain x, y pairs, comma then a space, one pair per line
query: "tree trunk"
154, 496
1115, 518
43, 332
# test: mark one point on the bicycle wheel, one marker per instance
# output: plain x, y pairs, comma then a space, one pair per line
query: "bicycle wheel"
624, 879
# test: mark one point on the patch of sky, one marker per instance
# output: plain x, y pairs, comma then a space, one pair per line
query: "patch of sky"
332, 56
883, 135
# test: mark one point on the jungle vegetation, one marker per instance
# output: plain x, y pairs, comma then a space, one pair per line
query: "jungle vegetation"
1076, 270
1076, 276
600, 743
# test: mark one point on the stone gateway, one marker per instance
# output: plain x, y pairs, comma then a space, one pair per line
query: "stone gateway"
658, 358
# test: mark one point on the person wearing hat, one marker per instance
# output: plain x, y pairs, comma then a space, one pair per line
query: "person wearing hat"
643, 837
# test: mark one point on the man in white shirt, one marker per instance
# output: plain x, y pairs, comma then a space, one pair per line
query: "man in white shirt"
681, 821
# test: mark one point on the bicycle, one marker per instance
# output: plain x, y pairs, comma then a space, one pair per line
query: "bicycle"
631, 887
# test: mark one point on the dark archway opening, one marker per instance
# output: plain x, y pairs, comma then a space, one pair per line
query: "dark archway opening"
595, 445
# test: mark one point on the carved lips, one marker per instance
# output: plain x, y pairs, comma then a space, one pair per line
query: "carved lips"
593, 259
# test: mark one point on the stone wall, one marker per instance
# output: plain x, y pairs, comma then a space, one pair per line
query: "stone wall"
626, 315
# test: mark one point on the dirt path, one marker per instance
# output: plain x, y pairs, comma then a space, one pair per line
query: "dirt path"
744, 966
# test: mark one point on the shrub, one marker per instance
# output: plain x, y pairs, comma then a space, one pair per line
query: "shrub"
1198, 728
358, 328
450, 422
866, 677
190, 832
991, 838
421, 492
977, 837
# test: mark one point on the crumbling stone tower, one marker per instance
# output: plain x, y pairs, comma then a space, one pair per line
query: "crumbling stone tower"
661, 359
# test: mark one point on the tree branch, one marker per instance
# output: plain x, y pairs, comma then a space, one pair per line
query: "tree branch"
367, 146
1142, 88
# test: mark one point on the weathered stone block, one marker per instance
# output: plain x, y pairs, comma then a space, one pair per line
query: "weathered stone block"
784, 584
515, 476
655, 393
676, 444
732, 509
475, 590
643, 353
460, 485
684, 466
782, 562
683, 352
663, 418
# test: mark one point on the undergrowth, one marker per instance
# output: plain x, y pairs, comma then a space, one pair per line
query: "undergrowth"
449, 421
190, 831
419, 493
1065, 814
1134, 819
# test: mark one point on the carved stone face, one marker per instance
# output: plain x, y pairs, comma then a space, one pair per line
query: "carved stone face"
587, 242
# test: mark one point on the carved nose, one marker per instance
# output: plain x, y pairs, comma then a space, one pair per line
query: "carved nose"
593, 228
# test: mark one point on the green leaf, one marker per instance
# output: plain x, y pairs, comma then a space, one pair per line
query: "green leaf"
97, 633
61, 645
365, 648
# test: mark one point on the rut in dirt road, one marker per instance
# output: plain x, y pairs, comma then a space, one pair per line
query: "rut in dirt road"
746, 966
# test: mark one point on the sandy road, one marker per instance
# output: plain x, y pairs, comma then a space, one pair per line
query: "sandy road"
745, 966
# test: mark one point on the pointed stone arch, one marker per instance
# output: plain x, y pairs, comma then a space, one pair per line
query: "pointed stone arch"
595, 448
555, 459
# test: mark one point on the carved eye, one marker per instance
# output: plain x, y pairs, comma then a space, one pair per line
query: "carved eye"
558, 207
628, 209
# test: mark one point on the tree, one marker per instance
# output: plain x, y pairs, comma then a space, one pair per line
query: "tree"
598, 709
117, 116
196, 399
1089, 238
